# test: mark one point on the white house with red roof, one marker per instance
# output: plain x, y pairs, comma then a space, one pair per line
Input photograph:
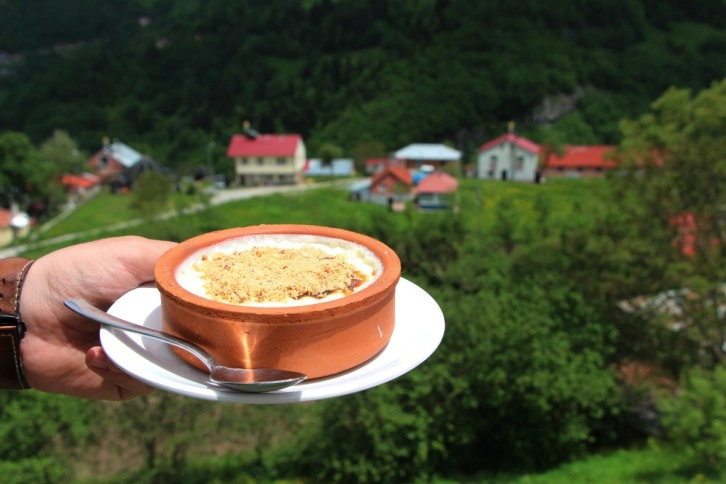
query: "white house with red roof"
267, 159
508, 157
579, 161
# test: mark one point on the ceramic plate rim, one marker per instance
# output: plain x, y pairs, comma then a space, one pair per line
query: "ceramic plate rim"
417, 333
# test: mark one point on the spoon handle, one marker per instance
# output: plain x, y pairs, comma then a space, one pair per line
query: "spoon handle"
84, 308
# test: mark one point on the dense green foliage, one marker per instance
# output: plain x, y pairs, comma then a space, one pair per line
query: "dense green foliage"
25, 174
151, 194
34, 427
521, 381
695, 419
353, 73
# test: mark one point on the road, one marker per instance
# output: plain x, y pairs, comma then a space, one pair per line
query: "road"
218, 198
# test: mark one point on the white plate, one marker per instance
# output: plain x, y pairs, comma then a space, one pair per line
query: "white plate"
417, 333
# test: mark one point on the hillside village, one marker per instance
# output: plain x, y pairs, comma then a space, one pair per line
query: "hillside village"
421, 174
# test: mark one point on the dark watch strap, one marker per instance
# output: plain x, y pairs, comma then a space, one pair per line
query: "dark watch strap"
12, 328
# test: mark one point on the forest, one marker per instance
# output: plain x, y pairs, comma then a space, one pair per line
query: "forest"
584, 318
370, 76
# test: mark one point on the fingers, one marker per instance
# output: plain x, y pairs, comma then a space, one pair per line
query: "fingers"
139, 255
116, 384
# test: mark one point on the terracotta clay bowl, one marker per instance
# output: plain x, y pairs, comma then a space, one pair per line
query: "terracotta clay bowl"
317, 339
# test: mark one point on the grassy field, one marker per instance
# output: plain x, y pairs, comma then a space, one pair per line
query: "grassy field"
639, 466
477, 200
103, 210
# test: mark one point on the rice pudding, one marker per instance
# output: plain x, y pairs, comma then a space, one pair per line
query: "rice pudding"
277, 270
318, 335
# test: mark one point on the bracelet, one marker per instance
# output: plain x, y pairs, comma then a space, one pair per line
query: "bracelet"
12, 328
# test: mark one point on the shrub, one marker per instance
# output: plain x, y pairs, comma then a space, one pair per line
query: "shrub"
694, 419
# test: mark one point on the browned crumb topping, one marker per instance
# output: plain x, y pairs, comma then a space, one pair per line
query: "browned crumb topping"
268, 274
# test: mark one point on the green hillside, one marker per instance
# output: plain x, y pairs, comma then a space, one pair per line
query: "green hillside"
367, 75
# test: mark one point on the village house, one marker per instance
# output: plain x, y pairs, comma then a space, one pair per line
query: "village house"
113, 158
404, 175
126, 179
418, 154
337, 167
512, 157
508, 157
117, 165
80, 187
13, 225
434, 191
579, 161
267, 159
391, 186
79, 184
374, 165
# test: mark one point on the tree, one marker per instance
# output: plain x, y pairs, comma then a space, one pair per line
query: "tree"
63, 152
151, 194
328, 152
694, 419
672, 188
25, 176
164, 426
364, 150
34, 426
15, 151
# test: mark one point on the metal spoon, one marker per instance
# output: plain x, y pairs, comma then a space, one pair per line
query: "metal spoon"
254, 380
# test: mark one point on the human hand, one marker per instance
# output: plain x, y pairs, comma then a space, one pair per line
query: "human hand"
61, 350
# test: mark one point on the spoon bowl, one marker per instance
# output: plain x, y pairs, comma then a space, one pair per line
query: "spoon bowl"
250, 380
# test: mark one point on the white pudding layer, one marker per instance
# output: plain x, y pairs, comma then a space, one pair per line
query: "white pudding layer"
279, 270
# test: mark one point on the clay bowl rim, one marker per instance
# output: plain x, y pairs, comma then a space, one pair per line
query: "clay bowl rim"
166, 265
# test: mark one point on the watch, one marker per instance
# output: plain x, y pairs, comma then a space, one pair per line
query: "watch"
12, 328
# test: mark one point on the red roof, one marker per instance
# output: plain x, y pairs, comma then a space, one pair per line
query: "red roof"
438, 182
577, 156
264, 145
523, 143
399, 172
79, 181
376, 161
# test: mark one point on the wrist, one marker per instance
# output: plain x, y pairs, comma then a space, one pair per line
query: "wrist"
12, 327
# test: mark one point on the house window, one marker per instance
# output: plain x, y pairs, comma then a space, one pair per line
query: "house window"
281, 161
244, 161
103, 161
260, 161
492, 164
520, 164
